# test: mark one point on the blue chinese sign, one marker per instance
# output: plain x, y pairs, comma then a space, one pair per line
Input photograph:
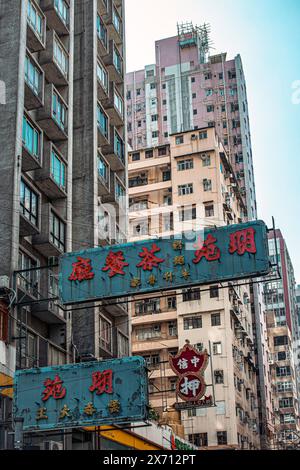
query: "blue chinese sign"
86, 394
214, 255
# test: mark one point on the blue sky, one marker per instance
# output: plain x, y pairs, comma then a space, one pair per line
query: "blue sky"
267, 35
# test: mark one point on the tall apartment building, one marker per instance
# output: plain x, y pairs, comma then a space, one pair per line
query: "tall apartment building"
174, 188
187, 89
283, 331
62, 156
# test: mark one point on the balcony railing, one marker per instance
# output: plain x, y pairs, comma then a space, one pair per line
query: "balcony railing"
58, 15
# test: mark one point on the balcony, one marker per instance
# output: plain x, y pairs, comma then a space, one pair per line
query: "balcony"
157, 317
49, 311
117, 190
36, 27
102, 126
114, 63
152, 345
116, 307
58, 15
53, 118
114, 23
52, 239
102, 7
114, 106
115, 151
52, 177
102, 36
34, 83
102, 82
55, 60
103, 176
30, 200
32, 145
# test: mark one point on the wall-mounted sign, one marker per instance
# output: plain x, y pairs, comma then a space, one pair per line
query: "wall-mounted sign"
86, 394
205, 402
214, 255
189, 365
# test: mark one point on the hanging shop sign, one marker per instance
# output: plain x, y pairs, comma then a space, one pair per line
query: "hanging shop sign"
86, 394
214, 255
206, 402
189, 365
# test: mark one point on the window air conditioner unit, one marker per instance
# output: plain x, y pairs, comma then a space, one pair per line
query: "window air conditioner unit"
52, 445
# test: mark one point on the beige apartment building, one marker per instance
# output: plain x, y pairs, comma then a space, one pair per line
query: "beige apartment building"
183, 186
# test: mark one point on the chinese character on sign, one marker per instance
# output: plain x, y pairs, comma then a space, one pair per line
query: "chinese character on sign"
149, 259
54, 389
207, 249
115, 262
179, 260
65, 412
243, 241
188, 386
183, 364
169, 276
41, 414
89, 409
102, 382
114, 407
152, 280
135, 282
195, 361
82, 270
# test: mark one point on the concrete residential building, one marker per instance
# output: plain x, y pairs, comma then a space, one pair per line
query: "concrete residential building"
187, 89
282, 321
62, 156
176, 187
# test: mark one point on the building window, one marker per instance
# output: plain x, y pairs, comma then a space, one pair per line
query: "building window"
207, 185
144, 334
203, 135
30, 276
191, 295
59, 111
62, 8
117, 60
152, 360
284, 387
29, 203
101, 31
31, 138
162, 151
185, 164
57, 232
105, 335
165, 118
172, 327
35, 19
209, 92
118, 102
215, 319
4, 324
171, 303
103, 169
33, 76
209, 210
116, 20
286, 402
152, 86
102, 121
283, 371
102, 76
61, 57
188, 213
179, 139
149, 154
123, 345
220, 76
219, 376
210, 108
193, 79
185, 189
192, 323
281, 340
154, 117
136, 156
167, 200
214, 292
199, 440
222, 438
154, 134
119, 192
173, 384
217, 348
281, 356
195, 112
58, 170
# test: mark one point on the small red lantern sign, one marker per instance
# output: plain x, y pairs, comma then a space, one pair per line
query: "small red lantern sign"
189, 365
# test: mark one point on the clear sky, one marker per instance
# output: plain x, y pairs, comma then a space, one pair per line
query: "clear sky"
267, 35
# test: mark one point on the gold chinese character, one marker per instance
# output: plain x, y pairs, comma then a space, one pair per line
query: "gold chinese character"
65, 412
185, 274
177, 245
179, 260
135, 282
168, 276
114, 406
152, 280
89, 409
41, 414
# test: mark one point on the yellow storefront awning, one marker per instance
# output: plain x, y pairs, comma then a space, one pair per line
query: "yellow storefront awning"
5, 380
126, 438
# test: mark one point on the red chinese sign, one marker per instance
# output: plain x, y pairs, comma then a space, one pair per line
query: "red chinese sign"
115, 263
102, 382
189, 365
82, 270
149, 259
207, 249
242, 242
54, 389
